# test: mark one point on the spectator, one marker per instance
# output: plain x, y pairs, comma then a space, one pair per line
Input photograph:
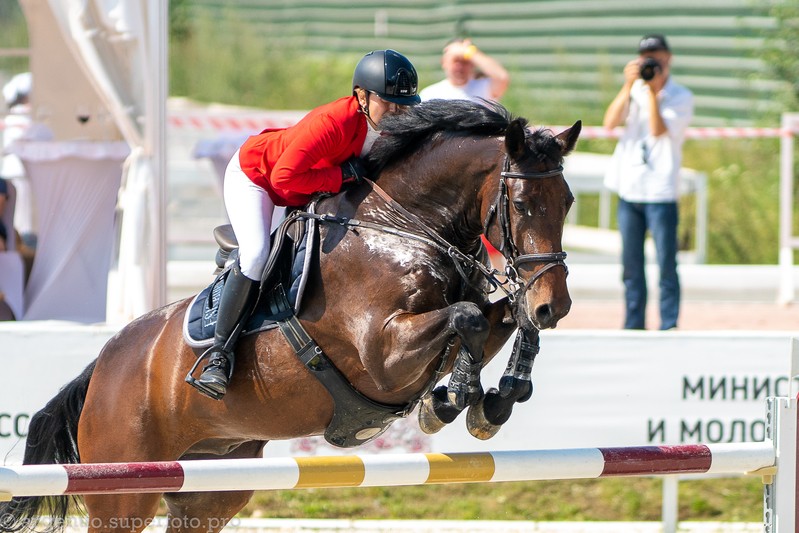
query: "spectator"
25, 251
17, 92
462, 61
3, 228
655, 111
471, 75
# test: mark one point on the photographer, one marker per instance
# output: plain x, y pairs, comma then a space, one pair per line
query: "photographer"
644, 171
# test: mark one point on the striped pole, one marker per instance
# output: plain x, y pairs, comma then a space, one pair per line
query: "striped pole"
382, 470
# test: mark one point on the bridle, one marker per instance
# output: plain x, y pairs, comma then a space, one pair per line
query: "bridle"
501, 208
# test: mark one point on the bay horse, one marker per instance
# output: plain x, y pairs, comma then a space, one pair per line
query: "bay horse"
398, 299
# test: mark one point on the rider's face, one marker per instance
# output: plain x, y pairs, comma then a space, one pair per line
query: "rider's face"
379, 108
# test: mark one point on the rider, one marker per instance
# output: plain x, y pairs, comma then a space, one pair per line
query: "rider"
287, 167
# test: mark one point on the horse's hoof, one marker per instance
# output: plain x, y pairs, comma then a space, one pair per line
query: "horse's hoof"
477, 424
428, 420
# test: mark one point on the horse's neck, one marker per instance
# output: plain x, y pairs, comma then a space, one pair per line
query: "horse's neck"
444, 187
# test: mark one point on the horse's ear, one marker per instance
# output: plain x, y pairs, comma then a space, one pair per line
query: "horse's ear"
515, 143
568, 138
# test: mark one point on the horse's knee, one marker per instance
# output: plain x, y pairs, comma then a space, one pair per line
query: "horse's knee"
467, 319
471, 325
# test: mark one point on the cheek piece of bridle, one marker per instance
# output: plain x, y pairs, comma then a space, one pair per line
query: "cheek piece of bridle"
513, 259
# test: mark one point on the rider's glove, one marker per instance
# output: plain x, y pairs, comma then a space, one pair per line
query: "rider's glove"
352, 171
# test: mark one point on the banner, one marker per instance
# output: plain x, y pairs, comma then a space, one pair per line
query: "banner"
592, 388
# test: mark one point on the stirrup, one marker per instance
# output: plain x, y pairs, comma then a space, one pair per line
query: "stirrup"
203, 388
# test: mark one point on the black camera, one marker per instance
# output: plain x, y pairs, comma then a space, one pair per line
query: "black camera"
649, 67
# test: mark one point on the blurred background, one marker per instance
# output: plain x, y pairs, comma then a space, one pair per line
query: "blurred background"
565, 58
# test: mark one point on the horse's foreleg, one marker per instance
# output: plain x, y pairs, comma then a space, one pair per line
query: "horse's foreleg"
486, 417
412, 351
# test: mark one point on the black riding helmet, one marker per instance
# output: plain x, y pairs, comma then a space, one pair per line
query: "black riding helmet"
388, 74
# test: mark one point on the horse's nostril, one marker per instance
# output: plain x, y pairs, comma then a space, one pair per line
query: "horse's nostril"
543, 314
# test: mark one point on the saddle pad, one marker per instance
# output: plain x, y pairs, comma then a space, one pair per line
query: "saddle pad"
200, 319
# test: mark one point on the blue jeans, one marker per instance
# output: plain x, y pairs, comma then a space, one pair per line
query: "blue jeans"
661, 220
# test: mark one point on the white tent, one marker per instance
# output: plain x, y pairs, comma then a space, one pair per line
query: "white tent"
100, 85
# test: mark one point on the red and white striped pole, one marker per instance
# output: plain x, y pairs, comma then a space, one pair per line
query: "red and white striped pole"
382, 470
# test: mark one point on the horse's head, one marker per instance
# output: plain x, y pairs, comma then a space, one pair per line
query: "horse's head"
525, 221
452, 183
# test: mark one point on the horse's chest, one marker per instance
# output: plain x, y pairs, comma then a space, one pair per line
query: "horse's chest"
416, 267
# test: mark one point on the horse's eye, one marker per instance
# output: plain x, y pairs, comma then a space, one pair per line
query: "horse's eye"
520, 206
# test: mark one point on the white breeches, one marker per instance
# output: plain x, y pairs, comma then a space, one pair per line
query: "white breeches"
250, 211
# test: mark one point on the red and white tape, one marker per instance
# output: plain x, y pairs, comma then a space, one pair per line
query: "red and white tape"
261, 120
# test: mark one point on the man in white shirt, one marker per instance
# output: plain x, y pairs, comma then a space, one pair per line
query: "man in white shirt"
644, 171
461, 61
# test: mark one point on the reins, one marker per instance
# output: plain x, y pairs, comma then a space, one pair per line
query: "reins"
461, 260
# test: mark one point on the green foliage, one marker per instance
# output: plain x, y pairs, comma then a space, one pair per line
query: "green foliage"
179, 20
13, 34
630, 499
779, 52
228, 61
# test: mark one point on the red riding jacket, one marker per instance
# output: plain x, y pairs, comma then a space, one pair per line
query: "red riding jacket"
294, 163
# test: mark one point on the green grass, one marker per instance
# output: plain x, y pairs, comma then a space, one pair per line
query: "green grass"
618, 499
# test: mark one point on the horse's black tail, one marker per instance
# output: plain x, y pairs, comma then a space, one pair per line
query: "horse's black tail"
52, 439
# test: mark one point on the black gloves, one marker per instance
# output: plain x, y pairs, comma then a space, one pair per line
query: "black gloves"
352, 171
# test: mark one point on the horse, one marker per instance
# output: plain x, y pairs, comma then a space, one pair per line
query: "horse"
400, 295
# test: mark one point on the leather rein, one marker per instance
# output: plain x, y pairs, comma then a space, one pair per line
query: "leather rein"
465, 264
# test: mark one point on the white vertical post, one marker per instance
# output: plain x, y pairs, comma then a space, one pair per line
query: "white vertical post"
701, 218
670, 504
786, 288
158, 39
779, 496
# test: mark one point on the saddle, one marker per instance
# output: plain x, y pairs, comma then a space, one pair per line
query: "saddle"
288, 265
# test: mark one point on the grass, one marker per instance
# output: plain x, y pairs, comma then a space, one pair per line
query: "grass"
616, 499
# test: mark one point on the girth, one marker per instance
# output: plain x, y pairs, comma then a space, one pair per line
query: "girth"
356, 418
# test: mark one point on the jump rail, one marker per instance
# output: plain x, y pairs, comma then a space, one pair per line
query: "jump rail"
383, 470
774, 460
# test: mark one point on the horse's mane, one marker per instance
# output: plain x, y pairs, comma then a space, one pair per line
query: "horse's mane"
406, 132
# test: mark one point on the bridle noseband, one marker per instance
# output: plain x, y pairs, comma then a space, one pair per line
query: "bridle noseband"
513, 259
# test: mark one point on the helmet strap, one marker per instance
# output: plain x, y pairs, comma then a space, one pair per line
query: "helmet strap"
365, 110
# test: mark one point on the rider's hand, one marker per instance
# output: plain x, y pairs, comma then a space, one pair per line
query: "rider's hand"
352, 171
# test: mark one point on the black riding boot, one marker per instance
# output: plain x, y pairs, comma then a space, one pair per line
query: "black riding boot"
238, 297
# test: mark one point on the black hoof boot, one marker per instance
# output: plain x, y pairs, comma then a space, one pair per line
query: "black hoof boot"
214, 380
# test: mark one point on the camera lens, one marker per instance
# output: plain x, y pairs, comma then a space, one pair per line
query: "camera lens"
649, 67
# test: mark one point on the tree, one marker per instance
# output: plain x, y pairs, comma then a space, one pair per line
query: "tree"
779, 52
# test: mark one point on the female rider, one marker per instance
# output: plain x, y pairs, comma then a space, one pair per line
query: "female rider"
286, 167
